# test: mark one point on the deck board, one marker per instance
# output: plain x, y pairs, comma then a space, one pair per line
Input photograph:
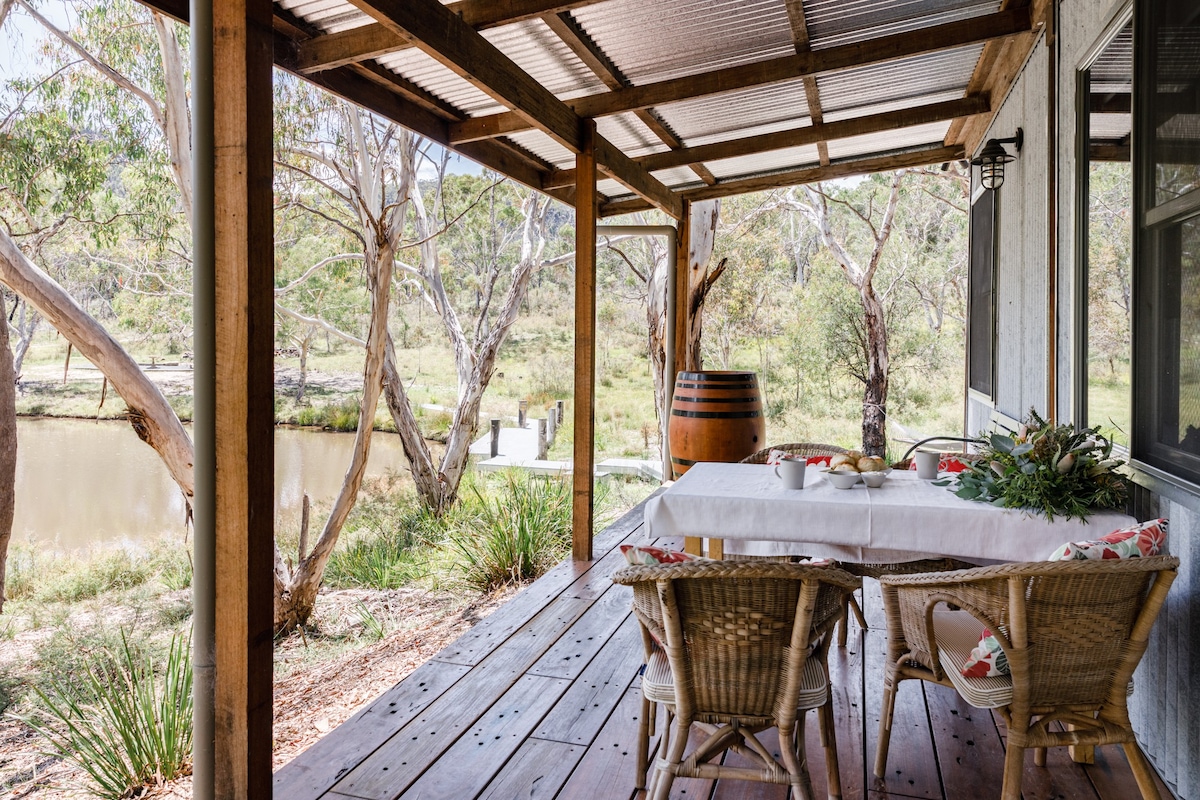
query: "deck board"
541, 700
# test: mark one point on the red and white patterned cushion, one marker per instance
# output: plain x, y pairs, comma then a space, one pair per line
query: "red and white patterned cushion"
1146, 539
987, 659
645, 555
775, 456
946, 464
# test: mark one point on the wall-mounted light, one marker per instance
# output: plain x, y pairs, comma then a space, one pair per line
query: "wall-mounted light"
993, 157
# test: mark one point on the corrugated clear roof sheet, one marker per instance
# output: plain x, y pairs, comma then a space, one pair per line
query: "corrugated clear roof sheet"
834, 22
677, 176
788, 158
630, 135
331, 16
906, 78
715, 118
530, 44
903, 139
653, 41
664, 39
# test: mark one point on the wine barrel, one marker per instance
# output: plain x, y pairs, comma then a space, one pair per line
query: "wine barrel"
715, 416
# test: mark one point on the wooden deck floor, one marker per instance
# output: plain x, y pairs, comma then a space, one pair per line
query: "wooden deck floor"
540, 700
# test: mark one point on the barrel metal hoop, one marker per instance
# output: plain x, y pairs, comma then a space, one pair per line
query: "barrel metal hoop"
676, 412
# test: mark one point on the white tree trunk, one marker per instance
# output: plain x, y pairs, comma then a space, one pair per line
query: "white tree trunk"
8, 444
176, 122
701, 240
149, 413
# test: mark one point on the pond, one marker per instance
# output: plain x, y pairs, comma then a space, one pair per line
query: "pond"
82, 483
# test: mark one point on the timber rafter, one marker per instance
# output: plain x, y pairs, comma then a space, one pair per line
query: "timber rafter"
450, 34
460, 48
833, 59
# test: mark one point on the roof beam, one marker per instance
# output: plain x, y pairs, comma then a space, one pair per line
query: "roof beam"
811, 134
624, 170
937, 154
567, 29
795, 12
833, 59
445, 37
374, 40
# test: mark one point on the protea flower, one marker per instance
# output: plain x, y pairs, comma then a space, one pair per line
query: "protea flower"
1066, 463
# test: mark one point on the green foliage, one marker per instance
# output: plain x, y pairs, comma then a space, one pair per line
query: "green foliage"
372, 626
124, 725
76, 580
341, 416
519, 532
387, 539
1052, 469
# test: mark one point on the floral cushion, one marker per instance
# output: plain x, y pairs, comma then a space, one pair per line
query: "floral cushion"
775, 456
644, 555
987, 659
946, 464
1146, 539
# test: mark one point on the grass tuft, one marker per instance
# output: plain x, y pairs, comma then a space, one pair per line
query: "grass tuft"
519, 531
123, 725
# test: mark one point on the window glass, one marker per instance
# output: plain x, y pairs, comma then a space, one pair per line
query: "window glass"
1108, 249
1166, 318
1175, 103
980, 299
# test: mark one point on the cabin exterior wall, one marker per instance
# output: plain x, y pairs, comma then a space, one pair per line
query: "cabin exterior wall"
1166, 704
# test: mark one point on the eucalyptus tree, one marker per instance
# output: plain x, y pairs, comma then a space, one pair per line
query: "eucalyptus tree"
96, 69
856, 239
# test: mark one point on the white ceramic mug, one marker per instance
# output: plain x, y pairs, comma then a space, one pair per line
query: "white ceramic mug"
791, 472
927, 464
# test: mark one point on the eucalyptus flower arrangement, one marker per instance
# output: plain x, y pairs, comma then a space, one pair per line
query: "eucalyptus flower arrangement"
1051, 469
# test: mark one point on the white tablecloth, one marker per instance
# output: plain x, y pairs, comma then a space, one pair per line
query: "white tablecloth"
905, 519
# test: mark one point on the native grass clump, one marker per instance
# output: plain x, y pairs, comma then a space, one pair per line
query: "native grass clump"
1055, 470
124, 722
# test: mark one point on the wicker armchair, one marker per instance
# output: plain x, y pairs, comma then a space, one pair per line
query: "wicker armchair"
744, 649
795, 449
1073, 632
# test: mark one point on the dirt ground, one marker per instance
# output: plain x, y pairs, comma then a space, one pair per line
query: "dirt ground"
310, 699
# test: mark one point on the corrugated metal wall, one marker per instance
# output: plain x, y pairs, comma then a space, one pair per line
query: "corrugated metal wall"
1021, 298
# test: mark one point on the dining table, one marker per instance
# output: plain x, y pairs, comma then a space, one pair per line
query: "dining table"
745, 509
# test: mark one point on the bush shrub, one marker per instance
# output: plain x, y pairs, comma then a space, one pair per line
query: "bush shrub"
518, 531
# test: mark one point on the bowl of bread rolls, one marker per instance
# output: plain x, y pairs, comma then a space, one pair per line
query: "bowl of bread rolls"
847, 469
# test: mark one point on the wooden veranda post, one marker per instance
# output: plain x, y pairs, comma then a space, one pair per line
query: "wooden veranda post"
234, 415
586, 212
683, 308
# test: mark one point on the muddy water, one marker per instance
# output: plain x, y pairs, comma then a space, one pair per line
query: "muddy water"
81, 483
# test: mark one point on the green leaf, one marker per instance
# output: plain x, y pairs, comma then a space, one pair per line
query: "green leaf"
1022, 449
1002, 443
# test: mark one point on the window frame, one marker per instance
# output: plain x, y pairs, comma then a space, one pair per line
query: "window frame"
1153, 224
1082, 213
978, 196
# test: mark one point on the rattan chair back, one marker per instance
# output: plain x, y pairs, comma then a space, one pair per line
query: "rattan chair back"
1073, 633
805, 449
738, 637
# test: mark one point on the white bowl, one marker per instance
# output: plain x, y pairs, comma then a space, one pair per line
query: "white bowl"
842, 480
875, 479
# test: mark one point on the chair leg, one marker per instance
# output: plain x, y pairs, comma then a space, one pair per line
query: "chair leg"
1141, 771
829, 742
1039, 756
664, 774
645, 729
795, 759
849, 606
1014, 765
890, 686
